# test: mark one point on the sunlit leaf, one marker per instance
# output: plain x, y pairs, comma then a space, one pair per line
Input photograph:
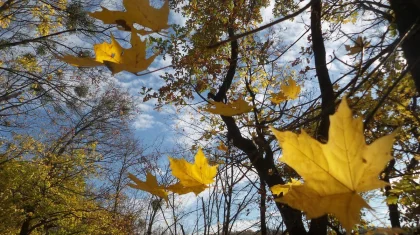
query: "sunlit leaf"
115, 57
193, 174
136, 12
334, 173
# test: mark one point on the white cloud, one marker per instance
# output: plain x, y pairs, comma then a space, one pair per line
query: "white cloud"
144, 121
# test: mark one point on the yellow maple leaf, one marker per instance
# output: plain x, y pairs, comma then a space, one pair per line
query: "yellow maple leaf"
104, 52
288, 91
197, 174
108, 51
334, 173
137, 12
151, 185
181, 189
283, 189
80, 61
133, 59
237, 107
115, 57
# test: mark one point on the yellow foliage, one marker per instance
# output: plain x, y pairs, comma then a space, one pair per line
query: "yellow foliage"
335, 172
237, 107
28, 62
5, 17
150, 185
137, 12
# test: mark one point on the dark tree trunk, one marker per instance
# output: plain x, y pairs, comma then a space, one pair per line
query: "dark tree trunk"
25, 228
319, 225
394, 214
292, 218
407, 17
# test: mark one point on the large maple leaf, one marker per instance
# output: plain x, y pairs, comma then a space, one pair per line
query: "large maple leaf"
192, 177
137, 12
150, 185
334, 173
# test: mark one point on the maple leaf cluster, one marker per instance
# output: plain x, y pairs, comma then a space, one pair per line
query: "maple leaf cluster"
193, 177
113, 55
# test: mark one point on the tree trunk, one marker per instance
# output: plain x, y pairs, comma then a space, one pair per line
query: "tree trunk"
319, 225
407, 15
25, 228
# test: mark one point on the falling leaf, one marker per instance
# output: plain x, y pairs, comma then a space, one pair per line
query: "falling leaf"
109, 51
137, 12
115, 57
289, 91
133, 59
237, 107
358, 46
283, 189
80, 61
334, 173
181, 189
104, 52
222, 147
197, 174
151, 185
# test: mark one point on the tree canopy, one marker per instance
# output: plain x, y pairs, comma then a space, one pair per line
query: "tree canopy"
304, 112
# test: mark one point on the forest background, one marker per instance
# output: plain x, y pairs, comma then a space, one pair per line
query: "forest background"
70, 135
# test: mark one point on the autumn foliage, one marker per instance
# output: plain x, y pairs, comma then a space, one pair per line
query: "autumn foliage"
346, 122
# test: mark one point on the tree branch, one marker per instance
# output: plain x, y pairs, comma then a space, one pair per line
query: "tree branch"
230, 39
